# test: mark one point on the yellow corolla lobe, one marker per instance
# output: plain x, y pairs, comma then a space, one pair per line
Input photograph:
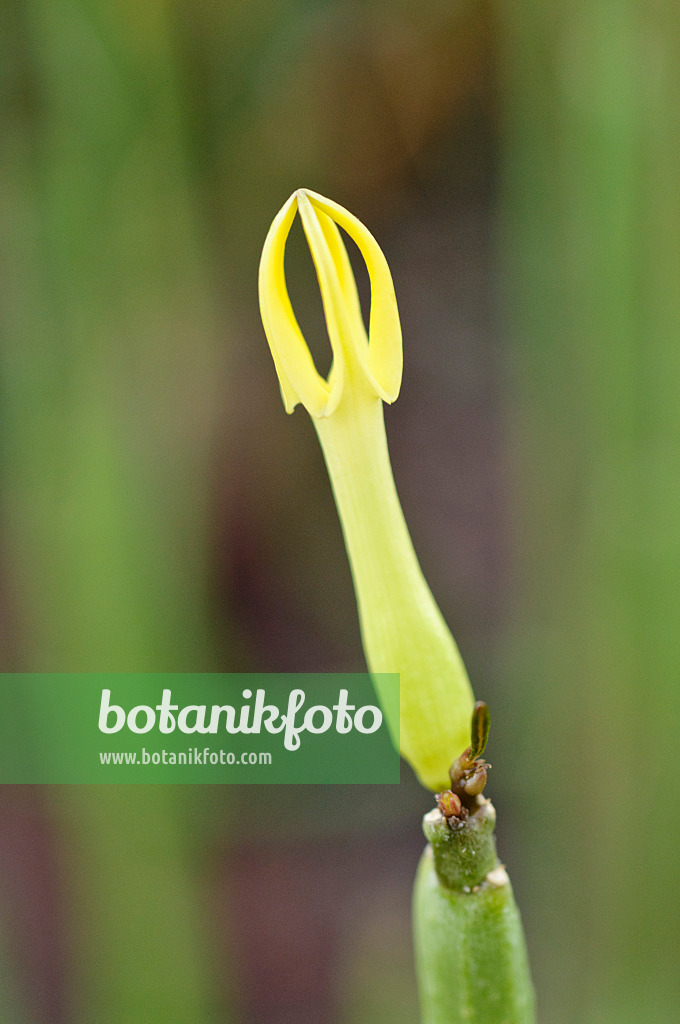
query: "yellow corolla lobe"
376, 356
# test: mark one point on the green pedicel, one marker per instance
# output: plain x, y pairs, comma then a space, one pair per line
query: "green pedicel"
471, 957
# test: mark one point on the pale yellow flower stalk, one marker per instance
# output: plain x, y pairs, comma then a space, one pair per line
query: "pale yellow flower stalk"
401, 626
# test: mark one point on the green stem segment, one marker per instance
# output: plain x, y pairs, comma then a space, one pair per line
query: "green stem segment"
470, 952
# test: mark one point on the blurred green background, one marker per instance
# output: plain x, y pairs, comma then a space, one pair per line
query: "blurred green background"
519, 164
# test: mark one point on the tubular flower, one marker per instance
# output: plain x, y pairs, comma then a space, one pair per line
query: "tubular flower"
402, 628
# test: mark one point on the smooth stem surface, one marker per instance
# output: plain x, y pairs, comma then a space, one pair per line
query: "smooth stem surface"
140, 942
402, 627
592, 223
471, 956
105, 410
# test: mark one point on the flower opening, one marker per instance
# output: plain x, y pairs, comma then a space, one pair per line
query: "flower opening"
377, 357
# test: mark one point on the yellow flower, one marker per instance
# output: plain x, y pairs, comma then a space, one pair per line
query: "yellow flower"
402, 628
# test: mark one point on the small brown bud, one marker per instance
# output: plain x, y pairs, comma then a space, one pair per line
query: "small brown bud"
475, 781
449, 804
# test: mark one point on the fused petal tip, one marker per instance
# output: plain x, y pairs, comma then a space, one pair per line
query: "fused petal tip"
376, 356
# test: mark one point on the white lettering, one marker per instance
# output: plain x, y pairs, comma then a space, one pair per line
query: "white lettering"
359, 719
166, 720
134, 714
105, 710
343, 720
199, 721
326, 714
291, 739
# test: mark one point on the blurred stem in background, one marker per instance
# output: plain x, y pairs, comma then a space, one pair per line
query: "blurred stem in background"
592, 223
107, 400
9, 1003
